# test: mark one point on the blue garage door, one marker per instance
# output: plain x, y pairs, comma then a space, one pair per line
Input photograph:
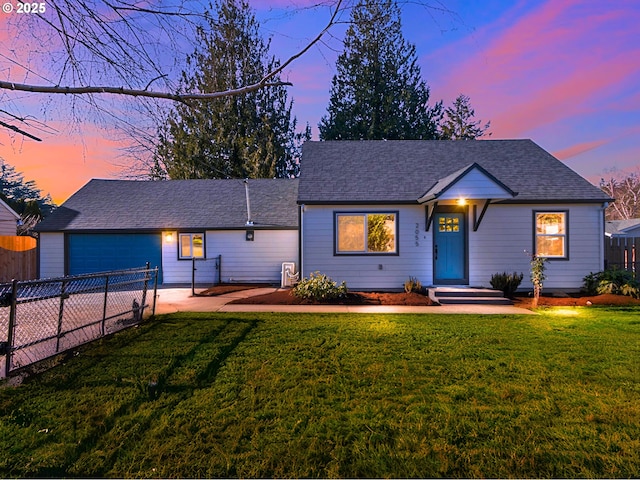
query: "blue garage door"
100, 252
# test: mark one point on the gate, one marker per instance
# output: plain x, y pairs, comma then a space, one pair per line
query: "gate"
18, 258
622, 253
41, 318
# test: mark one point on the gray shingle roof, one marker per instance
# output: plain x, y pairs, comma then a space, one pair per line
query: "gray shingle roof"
402, 171
620, 227
176, 204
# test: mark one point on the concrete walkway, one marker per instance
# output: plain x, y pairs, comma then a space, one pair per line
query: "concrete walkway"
171, 300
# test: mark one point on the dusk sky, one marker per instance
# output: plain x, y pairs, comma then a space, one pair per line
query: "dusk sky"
565, 74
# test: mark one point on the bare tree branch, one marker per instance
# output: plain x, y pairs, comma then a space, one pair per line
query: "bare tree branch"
20, 131
178, 97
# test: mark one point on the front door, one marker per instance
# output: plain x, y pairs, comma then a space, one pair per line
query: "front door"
450, 248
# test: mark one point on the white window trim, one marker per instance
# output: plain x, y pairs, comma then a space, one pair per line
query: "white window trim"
364, 214
565, 235
191, 235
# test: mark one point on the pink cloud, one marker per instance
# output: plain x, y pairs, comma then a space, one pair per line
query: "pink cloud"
578, 149
554, 63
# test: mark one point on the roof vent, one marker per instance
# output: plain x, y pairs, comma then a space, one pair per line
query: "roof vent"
246, 193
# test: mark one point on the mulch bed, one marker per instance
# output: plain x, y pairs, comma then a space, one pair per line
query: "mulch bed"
605, 299
284, 297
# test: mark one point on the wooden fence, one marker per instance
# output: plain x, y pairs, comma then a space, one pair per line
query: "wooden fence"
18, 258
623, 253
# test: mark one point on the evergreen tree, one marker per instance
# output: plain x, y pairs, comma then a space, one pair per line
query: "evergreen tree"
23, 196
458, 121
244, 136
378, 92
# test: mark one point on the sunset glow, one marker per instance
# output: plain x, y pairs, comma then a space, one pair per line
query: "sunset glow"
565, 73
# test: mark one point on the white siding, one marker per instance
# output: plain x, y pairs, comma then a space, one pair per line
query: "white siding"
8, 220
242, 261
505, 238
475, 184
500, 244
51, 254
368, 271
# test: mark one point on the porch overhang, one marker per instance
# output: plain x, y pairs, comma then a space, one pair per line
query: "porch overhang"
472, 184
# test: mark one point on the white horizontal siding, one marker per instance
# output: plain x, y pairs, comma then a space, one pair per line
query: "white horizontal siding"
174, 270
242, 261
501, 244
368, 271
51, 254
505, 239
475, 184
7, 222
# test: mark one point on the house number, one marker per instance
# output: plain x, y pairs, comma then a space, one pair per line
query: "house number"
417, 235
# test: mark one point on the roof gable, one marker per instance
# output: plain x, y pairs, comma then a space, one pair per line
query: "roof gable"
176, 204
402, 171
471, 182
11, 211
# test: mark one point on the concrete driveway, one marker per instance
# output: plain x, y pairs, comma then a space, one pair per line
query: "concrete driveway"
171, 300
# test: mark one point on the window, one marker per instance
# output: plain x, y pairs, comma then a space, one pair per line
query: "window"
191, 245
449, 224
366, 233
551, 234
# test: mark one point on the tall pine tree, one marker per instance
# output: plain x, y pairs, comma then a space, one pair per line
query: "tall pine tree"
458, 123
378, 92
245, 136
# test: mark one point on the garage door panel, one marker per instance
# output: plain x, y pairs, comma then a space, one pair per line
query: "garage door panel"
91, 253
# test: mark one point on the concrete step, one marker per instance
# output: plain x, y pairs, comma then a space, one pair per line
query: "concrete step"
474, 301
468, 296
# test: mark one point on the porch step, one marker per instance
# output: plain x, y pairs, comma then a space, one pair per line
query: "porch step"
468, 296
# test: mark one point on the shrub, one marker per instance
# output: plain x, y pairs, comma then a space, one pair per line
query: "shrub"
631, 289
507, 282
413, 285
590, 283
612, 280
319, 288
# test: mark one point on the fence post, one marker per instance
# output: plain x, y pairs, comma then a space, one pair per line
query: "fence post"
104, 306
61, 314
219, 268
155, 292
143, 303
12, 321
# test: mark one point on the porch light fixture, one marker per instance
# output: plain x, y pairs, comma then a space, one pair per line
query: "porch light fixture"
249, 235
462, 202
168, 237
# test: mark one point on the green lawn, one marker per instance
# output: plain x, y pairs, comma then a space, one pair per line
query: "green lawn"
276, 395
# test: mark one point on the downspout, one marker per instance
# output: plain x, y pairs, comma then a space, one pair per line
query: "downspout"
605, 205
300, 240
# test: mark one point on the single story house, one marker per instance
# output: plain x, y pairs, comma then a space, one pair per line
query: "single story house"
8, 220
371, 213
623, 228
250, 226
375, 213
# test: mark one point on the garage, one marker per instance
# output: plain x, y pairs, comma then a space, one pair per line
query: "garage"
100, 252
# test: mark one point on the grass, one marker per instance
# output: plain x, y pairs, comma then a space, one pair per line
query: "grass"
274, 395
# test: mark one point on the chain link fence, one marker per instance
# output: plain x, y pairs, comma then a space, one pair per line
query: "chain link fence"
41, 318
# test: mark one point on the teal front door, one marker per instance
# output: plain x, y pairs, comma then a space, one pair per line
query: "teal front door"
450, 249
